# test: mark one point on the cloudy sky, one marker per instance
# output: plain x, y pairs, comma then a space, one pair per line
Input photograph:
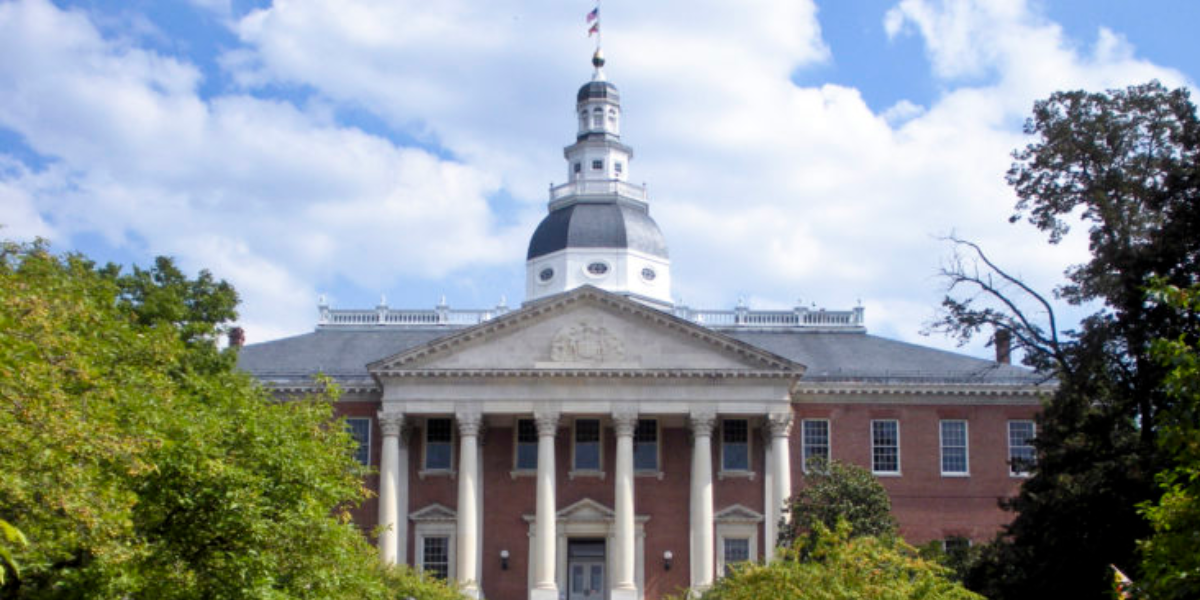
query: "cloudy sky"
795, 150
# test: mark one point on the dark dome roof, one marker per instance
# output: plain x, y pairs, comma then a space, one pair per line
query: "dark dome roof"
605, 225
598, 89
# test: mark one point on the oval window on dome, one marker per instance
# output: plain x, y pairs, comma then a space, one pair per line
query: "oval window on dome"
648, 274
546, 274
597, 268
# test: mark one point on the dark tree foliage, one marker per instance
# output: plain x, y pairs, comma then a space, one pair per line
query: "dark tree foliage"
1125, 164
835, 492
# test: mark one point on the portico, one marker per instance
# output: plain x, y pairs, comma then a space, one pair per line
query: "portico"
583, 357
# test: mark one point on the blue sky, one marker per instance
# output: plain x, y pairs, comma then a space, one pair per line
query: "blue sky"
794, 151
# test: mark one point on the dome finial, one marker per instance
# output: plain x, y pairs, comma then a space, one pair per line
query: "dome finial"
598, 62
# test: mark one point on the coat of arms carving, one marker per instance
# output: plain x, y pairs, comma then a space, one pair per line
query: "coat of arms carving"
586, 342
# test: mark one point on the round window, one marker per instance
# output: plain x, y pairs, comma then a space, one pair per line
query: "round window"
546, 275
648, 274
597, 268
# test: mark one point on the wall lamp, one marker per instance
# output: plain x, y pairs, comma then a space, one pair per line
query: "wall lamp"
504, 560
667, 558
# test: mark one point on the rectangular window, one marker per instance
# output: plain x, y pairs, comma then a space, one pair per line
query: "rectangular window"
735, 445
955, 457
737, 550
597, 165
814, 439
618, 167
360, 428
439, 437
956, 545
645, 445
436, 556
587, 444
885, 447
1021, 454
527, 445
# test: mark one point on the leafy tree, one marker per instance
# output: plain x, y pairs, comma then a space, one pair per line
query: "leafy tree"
834, 492
1125, 163
139, 468
1171, 557
839, 565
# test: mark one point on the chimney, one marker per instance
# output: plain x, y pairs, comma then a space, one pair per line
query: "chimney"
237, 337
1003, 342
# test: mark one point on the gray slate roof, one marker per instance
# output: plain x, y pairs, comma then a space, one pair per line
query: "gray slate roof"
829, 356
597, 225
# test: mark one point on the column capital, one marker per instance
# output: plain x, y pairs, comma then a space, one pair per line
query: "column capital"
391, 422
702, 422
780, 423
547, 422
625, 422
469, 422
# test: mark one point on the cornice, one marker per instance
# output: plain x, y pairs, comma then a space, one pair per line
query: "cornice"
920, 393
584, 373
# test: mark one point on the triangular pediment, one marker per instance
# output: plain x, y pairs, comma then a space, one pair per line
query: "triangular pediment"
586, 329
434, 512
586, 510
737, 514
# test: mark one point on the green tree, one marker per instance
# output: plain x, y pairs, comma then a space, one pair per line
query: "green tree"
839, 565
1171, 556
139, 468
834, 492
1125, 163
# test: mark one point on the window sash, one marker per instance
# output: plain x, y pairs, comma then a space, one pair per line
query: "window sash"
885, 446
587, 445
735, 445
954, 442
436, 556
527, 450
1021, 453
814, 434
439, 446
360, 430
645, 445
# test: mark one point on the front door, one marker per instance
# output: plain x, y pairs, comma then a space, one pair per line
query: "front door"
585, 569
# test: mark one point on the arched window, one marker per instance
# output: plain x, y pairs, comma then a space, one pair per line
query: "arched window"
597, 117
612, 118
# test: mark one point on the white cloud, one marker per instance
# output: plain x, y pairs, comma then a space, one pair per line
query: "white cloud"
764, 189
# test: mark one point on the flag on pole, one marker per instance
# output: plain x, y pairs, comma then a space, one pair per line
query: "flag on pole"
595, 14
595, 29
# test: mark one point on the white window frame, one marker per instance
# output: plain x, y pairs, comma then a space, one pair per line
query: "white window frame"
899, 464
658, 457
425, 470
749, 470
804, 441
966, 472
599, 470
1012, 472
435, 521
946, 540
365, 442
736, 522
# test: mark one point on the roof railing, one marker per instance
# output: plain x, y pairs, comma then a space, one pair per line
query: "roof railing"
740, 318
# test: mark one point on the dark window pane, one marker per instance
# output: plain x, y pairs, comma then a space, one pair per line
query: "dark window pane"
360, 428
645, 445
437, 557
587, 444
527, 450
735, 449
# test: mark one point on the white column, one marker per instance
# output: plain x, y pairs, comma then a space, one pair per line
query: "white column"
544, 585
391, 486
780, 425
702, 500
624, 583
771, 519
468, 500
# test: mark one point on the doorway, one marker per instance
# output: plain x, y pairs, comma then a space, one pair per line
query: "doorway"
585, 569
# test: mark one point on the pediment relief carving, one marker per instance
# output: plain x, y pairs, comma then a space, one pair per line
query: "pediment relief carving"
586, 342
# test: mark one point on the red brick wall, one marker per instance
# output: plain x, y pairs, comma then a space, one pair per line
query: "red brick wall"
928, 505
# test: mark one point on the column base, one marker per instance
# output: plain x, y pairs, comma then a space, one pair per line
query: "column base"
543, 594
471, 591
624, 594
